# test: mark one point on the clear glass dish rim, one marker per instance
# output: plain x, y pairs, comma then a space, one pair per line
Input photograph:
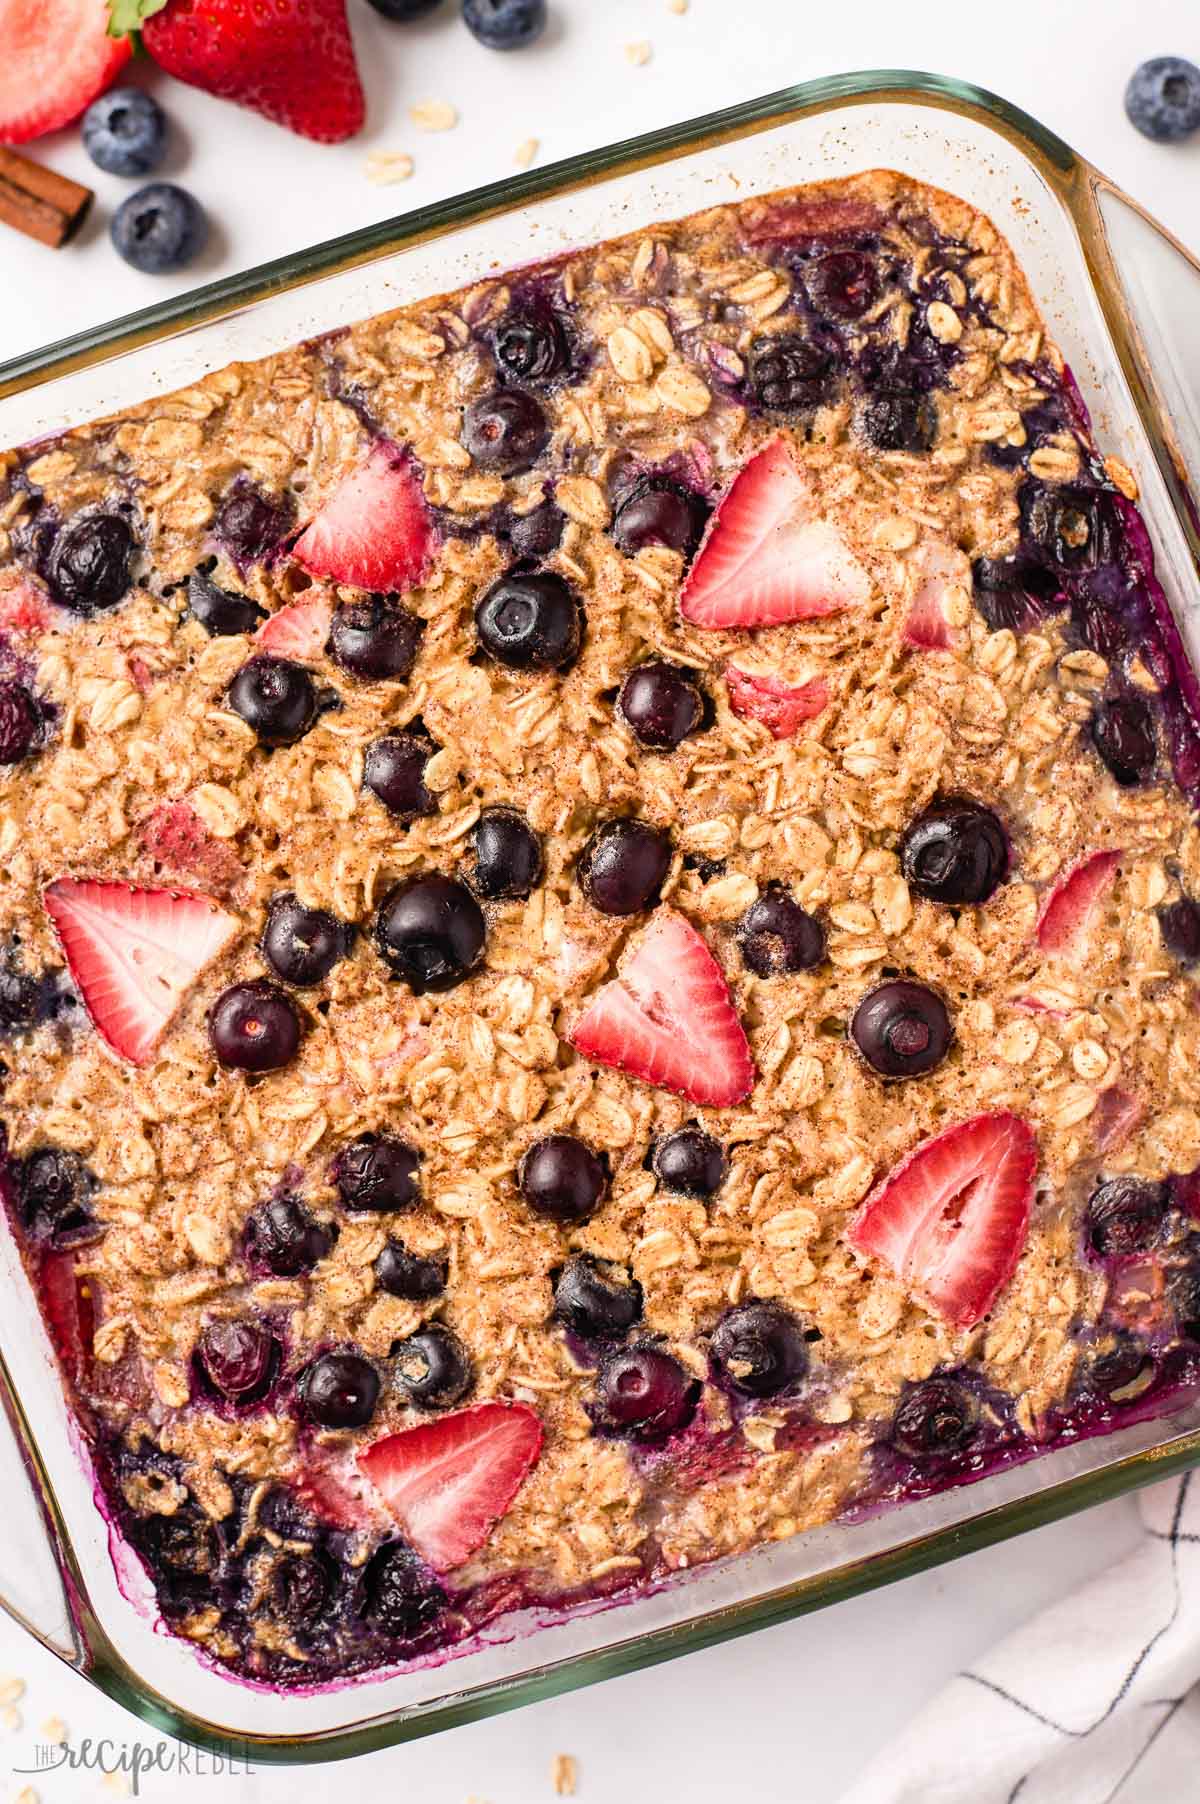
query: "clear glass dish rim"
1075, 182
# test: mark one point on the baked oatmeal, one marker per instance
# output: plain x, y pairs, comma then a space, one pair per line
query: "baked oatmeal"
599, 908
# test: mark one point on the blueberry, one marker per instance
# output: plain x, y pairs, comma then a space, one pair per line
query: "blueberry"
505, 24
254, 1027
276, 697
537, 533
934, 1417
54, 1193
792, 375
302, 945
1117, 1366
394, 771
661, 704
19, 721
659, 511
759, 1349
956, 851
623, 867
238, 1359
1163, 99
377, 1172
404, 10
90, 566
302, 1586
596, 1299
899, 420
21, 997
562, 1179
282, 1238
398, 1596
1179, 925
375, 640
645, 1393
1069, 528
182, 1543
843, 282
1122, 731
221, 613
505, 431
407, 1275
530, 620
1125, 1215
689, 1162
250, 524
339, 1390
1183, 1294
530, 347
1013, 592
431, 932
508, 856
433, 1368
125, 132
159, 229
777, 935
901, 1029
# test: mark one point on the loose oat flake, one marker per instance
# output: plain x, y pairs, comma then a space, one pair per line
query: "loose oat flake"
384, 166
434, 116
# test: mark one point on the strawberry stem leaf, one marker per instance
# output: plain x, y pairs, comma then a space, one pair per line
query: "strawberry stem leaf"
125, 16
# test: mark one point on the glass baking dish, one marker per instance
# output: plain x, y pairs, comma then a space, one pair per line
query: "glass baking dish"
1119, 295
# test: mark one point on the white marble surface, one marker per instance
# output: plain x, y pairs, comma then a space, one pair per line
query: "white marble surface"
791, 1713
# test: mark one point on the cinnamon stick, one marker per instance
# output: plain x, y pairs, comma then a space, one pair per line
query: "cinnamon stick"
38, 201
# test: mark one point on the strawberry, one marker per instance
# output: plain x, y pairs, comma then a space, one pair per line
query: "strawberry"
1070, 909
449, 1481
25, 606
374, 531
951, 1219
68, 1311
939, 569
767, 556
57, 56
298, 631
334, 1491
175, 837
669, 1019
1115, 1116
134, 953
815, 218
776, 705
291, 60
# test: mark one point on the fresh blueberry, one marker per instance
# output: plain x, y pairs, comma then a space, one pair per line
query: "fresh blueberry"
302, 945
661, 704
302, 1586
505, 24
508, 856
902, 1029
250, 524
659, 511
404, 10
1163, 99
90, 566
1125, 1215
792, 375
283, 1238
238, 1359
159, 229
530, 347
276, 697
1179, 925
530, 620
431, 932
623, 867
689, 1162
254, 1027
956, 851
1122, 731
899, 420
645, 1393
339, 1390
759, 1349
562, 1179
377, 1173
843, 282
595, 1299
125, 132
433, 1368
777, 935
537, 533
407, 1275
54, 1193
220, 612
394, 771
505, 431
399, 1597
934, 1417
19, 721
376, 640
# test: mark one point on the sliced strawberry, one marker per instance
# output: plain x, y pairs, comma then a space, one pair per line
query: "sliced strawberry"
176, 838
334, 1491
776, 705
66, 1301
669, 1019
25, 606
374, 531
448, 1482
1115, 1116
939, 569
1070, 909
134, 954
57, 56
950, 1221
1033, 1004
813, 219
298, 631
767, 556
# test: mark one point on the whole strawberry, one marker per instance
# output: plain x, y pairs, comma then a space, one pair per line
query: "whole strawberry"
292, 61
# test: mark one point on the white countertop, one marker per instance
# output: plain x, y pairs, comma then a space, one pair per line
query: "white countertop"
789, 1714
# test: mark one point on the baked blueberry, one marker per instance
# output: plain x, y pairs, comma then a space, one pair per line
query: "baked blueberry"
595, 1298
505, 431
19, 721
562, 1179
407, 1275
644, 1393
843, 282
623, 867
339, 1390
394, 771
399, 1598
689, 1162
238, 1359
505, 24
530, 347
433, 1368
125, 132
660, 511
934, 1417
792, 375
220, 612
90, 566
302, 1587
777, 935
54, 1193
183, 1543
530, 620
159, 229
536, 534
902, 1029
759, 1349
1014, 592
899, 420
282, 1238
1125, 1215
1117, 1366
661, 704
1179, 925
254, 1027
508, 856
23, 999
250, 524
1068, 528
430, 930
377, 1172
956, 851
1183, 1295
302, 945
1122, 731
1163, 99
276, 697
375, 640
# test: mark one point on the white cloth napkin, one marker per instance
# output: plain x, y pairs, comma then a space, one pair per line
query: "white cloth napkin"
1095, 1701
